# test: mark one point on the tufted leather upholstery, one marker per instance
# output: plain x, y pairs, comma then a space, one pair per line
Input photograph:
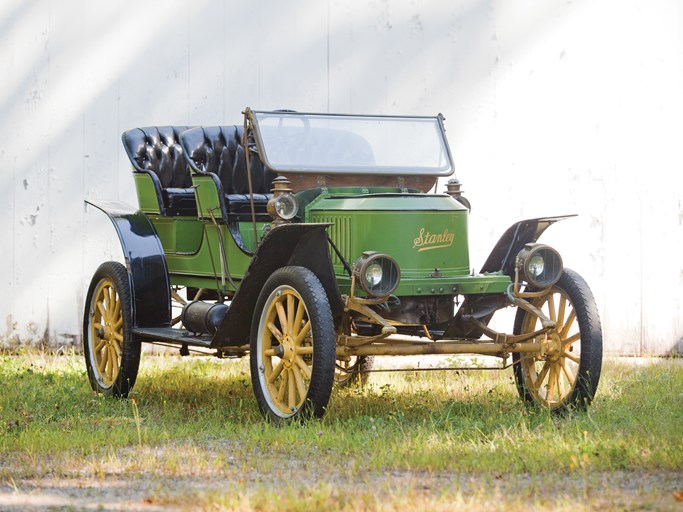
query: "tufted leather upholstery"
158, 149
157, 152
218, 150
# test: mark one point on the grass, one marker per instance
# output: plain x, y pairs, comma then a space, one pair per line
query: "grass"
191, 436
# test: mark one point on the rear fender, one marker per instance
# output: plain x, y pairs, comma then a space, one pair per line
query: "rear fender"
502, 257
145, 262
303, 245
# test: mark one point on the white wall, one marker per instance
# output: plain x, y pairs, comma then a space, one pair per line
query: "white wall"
551, 108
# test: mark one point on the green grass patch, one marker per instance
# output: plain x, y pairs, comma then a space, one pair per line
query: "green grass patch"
197, 417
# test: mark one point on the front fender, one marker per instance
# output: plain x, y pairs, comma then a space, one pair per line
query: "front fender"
502, 257
145, 262
302, 245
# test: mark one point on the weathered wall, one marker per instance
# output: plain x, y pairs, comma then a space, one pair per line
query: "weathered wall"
551, 107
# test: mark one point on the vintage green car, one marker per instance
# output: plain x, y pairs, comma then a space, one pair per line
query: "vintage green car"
313, 242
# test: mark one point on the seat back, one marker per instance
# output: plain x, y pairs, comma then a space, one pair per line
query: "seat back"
162, 178
218, 150
158, 150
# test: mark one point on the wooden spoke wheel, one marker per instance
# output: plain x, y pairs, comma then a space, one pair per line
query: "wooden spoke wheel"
112, 355
292, 351
567, 373
353, 371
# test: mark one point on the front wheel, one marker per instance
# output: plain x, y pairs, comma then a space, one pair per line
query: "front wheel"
567, 375
112, 354
292, 353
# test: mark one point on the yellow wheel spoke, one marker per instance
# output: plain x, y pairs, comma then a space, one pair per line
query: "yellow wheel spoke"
291, 392
116, 311
103, 360
111, 305
177, 297
570, 377
100, 307
283, 387
562, 308
551, 307
300, 311
106, 299
282, 315
304, 367
97, 325
541, 376
568, 325
290, 313
114, 363
300, 386
304, 351
99, 345
551, 385
117, 350
118, 337
560, 383
109, 368
275, 331
276, 372
105, 363
302, 334
566, 343
572, 356
118, 324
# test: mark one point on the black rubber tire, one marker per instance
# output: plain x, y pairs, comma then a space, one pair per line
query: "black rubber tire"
358, 374
114, 277
305, 286
587, 369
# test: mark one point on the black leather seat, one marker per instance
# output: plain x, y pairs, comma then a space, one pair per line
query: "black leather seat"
218, 150
157, 151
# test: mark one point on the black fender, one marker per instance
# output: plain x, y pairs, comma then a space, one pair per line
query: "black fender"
303, 245
145, 262
502, 258
503, 255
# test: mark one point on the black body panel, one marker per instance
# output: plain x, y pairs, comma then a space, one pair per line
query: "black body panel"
501, 258
145, 262
289, 244
524, 232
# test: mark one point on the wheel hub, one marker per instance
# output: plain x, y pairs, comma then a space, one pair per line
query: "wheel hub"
288, 351
554, 347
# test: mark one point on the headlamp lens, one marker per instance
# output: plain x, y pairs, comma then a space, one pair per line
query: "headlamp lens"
542, 265
286, 206
377, 274
373, 274
536, 265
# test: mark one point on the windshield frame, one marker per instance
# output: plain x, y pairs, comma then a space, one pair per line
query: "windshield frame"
447, 170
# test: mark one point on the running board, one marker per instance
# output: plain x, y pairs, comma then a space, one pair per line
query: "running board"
171, 335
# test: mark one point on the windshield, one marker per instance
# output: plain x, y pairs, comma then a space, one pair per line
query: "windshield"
348, 144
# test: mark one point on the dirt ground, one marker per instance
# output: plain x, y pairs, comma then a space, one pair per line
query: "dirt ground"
395, 491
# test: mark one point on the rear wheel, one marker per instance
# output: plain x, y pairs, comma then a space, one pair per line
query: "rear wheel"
353, 372
112, 354
292, 352
567, 375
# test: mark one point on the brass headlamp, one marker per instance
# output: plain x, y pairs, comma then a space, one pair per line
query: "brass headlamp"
282, 207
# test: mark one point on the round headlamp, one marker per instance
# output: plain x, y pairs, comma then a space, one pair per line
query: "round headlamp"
285, 206
541, 265
377, 273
